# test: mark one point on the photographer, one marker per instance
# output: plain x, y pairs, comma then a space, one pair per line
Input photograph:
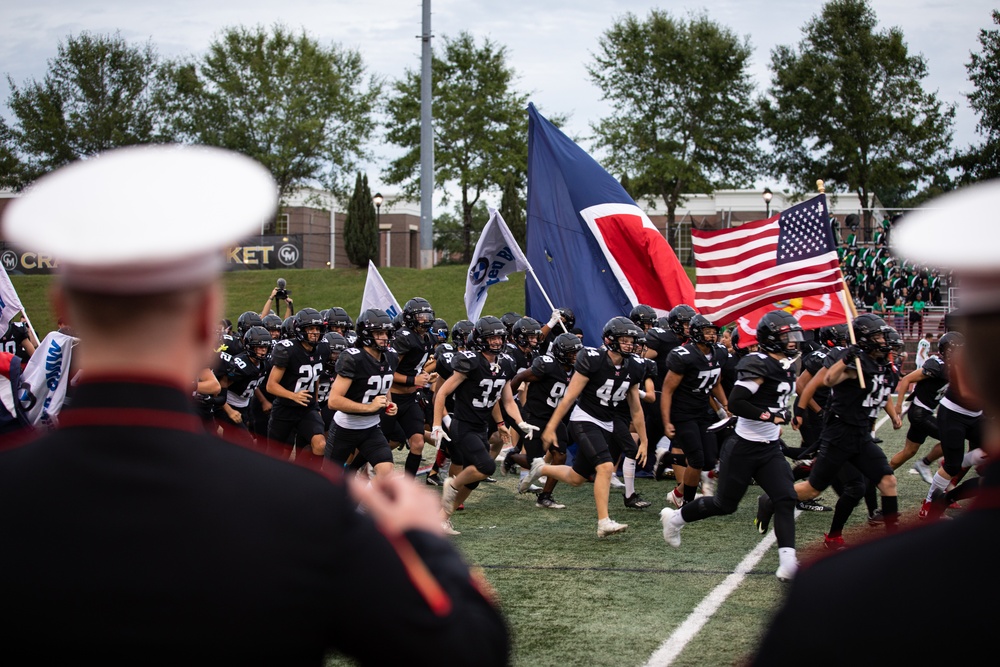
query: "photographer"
279, 293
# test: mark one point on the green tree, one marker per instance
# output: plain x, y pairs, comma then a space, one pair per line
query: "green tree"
480, 125
683, 115
512, 208
361, 225
450, 231
848, 106
99, 93
983, 161
302, 109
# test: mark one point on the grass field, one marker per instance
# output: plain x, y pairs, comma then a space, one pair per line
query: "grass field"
573, 599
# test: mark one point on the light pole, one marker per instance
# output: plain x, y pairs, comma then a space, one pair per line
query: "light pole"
767, 201
377, 200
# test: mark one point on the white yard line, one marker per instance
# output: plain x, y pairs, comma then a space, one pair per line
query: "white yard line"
696, 620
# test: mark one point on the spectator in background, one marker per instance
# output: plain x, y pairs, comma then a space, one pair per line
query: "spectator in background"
899, 314
917, 313
880, 308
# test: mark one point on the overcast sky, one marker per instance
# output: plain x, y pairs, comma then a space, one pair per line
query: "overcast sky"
549, 41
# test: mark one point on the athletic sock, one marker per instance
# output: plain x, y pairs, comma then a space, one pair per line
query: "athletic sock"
412, 464
890, 511
938, 483
689, 493
628, 473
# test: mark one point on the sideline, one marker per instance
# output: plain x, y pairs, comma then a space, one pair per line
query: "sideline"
696, 620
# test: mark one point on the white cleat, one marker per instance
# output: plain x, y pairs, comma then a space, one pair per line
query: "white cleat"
609, 526
924, 471
533, 474
448, 494
448, 528
786, 571
671, 532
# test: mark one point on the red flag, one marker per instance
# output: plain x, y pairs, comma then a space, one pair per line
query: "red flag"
789, 255
812, 312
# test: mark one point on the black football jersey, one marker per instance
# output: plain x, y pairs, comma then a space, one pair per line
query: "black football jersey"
370, 377
662, 341
302, 369
13, 339
931, 389
413, 349
607, 384
544, 394
243, 377
522, 359
814, 362
772, 395
700, 373
484, 382
443, 354
229, 347
856, 405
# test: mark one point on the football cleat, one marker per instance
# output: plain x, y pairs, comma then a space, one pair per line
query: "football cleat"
834, 543
609, 526
787, 571
433, 479
548, 502
677, 499
533, 474
448, 528
507, 466
765, 510
875, 518
662, 461
812, 506
671, 533
635, 501
448, 495
924, 471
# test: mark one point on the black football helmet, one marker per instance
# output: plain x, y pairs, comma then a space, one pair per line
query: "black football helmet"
247, 320
337, 344
273, 324
461, 332
779, 332
699, 326
439, 329
288, 328
868, 328
256, 338
373, 320
568, 318
894, 340
565, 348
948, 342
486, 328
618, 328
308, 317
678, 317
418, 315
644, 316
337, 317
509, 319
833, 336
523, 329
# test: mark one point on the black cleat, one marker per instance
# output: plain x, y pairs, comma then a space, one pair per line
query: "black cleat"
635, 501
765, 510
433, 479
812, 506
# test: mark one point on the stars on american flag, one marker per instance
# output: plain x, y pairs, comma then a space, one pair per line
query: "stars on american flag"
804, 232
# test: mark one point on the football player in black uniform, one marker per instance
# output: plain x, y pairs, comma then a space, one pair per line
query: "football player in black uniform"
17, 340
338, 321
523, 347
242, 375
361, 392
846, 437
553, 327
547, 380
645, 318
929, 383
660, 340
443, 353
272, 323
336, 345
296, 367
479, 380
414, 346
693, 373
602, 378
760, 400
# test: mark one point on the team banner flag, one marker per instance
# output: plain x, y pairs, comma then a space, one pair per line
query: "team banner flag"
812, 312
46, 378
497, 255
789, 255
377, 294
591, 248
10, 304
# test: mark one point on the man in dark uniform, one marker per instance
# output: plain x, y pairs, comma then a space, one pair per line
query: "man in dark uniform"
145, 540
414, 346
479, 380
443, 354
760, 400
240, 379
523, 348
361, 393
296, 366
17, 340
547, 380
602, 379
335, 345
948, 234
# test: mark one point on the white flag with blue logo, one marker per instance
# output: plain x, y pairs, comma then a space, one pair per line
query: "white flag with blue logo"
377, 294
497, 255
10, 305
46, 377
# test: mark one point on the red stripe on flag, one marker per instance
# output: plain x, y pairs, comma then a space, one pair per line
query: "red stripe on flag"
644, 256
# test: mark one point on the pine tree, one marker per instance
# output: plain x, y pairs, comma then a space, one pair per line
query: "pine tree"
361, 225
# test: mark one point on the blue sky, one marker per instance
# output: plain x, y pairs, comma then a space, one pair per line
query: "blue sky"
549, 42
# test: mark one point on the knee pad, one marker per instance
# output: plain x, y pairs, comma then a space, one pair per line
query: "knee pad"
951, 468
679, 460
854, 490
471, 485
487, 466
696, 460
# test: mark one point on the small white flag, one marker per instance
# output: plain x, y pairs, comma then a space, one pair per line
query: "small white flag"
10, 305
377, 294
497, 255
46, 377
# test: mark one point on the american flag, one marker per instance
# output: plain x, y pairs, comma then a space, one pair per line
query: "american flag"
789, 255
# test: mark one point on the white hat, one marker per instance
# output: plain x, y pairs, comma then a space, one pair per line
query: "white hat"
143, 219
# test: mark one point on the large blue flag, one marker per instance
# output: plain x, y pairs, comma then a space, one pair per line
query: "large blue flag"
592, 249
